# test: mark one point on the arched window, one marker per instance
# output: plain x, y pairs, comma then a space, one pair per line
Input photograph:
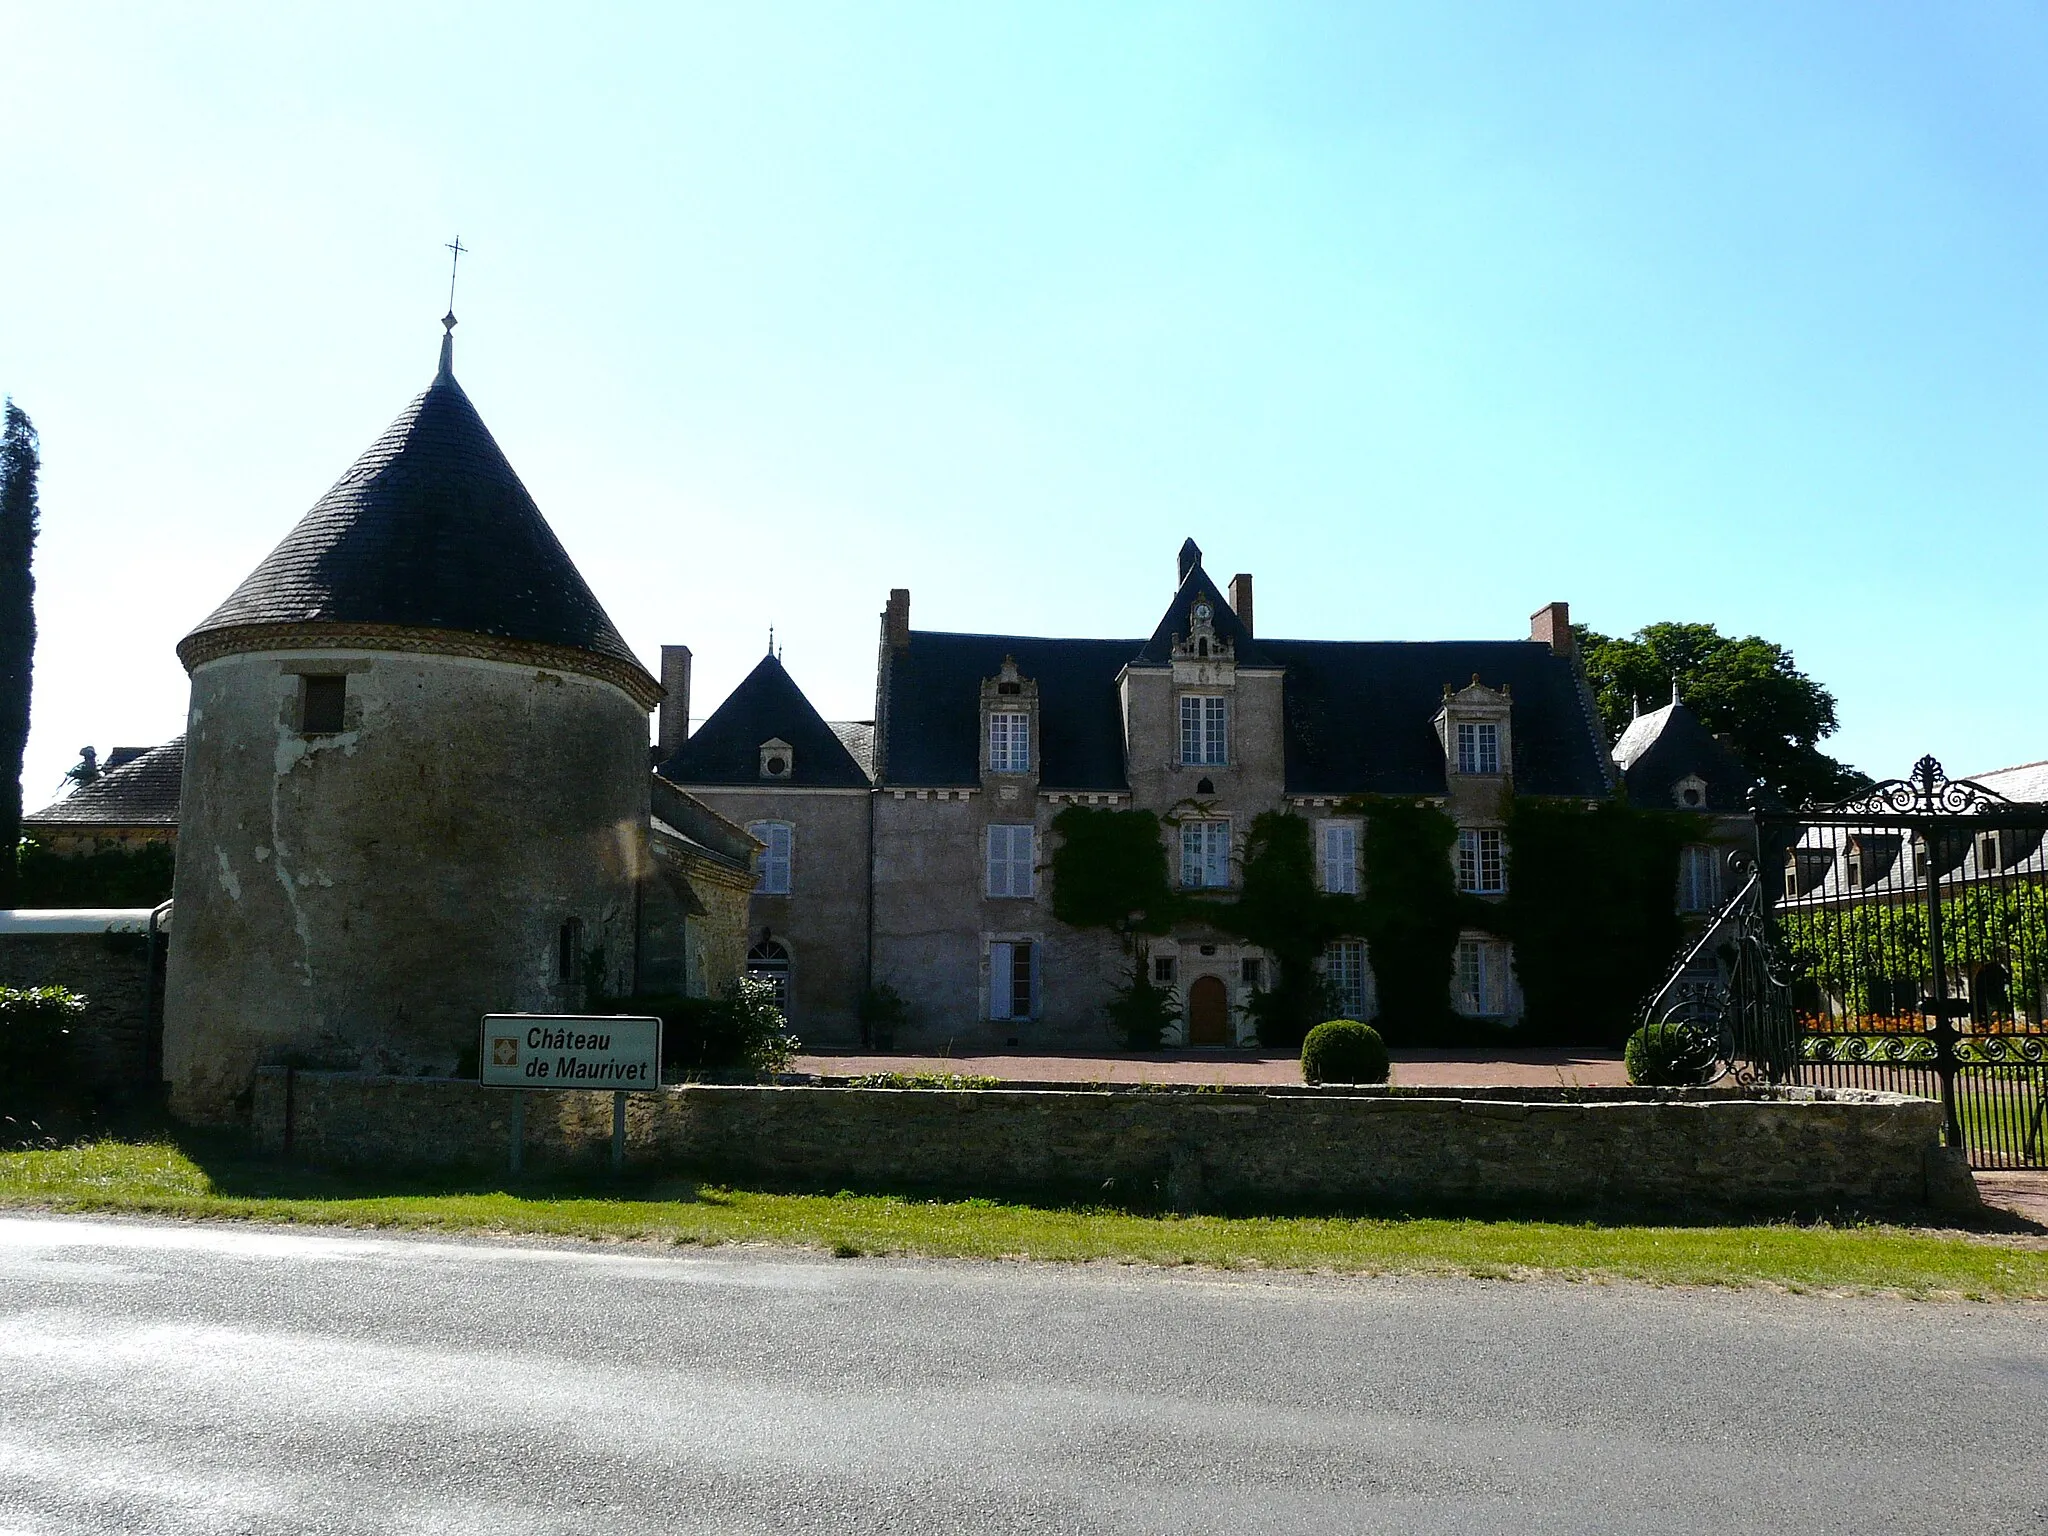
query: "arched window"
769, 961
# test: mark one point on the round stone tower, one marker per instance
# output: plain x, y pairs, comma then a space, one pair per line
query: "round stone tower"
416, 778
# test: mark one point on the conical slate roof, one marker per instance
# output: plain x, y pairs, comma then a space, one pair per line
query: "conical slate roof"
430, 529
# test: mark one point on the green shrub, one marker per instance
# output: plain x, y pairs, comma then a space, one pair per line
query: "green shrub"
113, 877
1669, 1055
882, 1011
742, 1031
943, 1080
37, 1042
1141, 1012
1344, 1051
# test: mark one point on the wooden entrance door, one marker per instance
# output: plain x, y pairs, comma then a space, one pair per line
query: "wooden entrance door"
1208, 1012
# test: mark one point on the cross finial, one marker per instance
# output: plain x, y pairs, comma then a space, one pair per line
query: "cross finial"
456, 247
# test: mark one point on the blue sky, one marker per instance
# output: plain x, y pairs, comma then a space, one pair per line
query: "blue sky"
1425, 315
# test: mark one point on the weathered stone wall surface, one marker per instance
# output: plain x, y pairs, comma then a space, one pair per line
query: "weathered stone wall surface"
111, 971
1808, 1149
823, 921
361, 899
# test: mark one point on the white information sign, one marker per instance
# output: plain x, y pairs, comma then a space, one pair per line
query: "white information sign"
554, 1050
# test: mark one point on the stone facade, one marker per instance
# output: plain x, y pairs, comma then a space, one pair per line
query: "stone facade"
475, 832
1795, 1150
940, 890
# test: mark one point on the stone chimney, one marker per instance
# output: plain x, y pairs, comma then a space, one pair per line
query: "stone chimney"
896, 619
674, 728
1552, 625
1241, 599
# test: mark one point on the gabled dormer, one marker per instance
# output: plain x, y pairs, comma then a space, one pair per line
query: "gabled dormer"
1201, 636
1475, 728
1009, 729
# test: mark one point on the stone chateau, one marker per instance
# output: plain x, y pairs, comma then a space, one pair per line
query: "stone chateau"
911, 851
415, 787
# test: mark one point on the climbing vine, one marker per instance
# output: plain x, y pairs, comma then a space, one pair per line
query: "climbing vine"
1591, 912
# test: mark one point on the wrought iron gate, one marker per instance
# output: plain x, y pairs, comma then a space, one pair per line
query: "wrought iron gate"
1897, 941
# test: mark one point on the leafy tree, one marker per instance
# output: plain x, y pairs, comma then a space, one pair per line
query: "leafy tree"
19, 462
1749, 690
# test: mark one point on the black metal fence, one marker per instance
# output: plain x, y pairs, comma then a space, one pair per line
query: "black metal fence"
1898, 941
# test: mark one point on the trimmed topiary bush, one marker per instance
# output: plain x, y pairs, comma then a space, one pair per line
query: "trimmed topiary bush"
1344, 1051
1669, 1055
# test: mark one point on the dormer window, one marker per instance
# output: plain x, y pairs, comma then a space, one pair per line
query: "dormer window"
1475, 729
1009, 700
1690, 793
778, 760
1478, 746
1009, 742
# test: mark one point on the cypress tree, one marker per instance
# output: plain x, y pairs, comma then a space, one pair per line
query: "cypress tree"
19, 462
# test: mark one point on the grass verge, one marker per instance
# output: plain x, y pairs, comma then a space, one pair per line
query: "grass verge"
164, 1179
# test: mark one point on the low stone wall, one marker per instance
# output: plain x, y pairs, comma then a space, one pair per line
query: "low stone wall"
110, 969
1337, 1148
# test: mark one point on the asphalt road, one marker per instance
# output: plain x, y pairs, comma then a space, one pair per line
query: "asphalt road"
202, 1379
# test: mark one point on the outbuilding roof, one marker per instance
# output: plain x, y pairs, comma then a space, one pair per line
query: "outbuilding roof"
1664, 747
429, 529
140, 792
766, 706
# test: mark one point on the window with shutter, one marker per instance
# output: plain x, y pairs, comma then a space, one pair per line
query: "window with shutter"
775, 865
1012, 979
1010, 859
1340, 859
1699, 879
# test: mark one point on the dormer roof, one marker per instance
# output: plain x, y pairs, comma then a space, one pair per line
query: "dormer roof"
1196, 587
429, 530
1662, 749
766, 706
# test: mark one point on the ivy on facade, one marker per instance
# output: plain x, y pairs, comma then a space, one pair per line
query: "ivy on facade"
1591, 911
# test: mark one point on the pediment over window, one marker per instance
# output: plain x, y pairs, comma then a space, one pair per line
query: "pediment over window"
1475, 729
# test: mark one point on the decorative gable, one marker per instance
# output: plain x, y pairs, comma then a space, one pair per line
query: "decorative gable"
778, 758
1009, 722
1475, 728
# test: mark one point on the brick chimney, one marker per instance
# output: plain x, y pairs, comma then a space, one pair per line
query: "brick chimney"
674, 727
896, 619
1552, 625
1241, 599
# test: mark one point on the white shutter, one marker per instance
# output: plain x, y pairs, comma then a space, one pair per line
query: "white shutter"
1216, 864
1010, 858
1340, 860
1001, 965
1023, 856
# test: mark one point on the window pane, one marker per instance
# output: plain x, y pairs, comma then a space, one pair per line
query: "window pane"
1191, 842
1190, 730
1213, 732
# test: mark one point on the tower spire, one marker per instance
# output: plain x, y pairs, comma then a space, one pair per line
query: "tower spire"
448, 320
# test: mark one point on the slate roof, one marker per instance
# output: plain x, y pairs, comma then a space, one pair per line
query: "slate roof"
1357, 713
1195, 585
432, 529
934, 686
2026, 781
767, 705
858, 737
140, 792
1665, 745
